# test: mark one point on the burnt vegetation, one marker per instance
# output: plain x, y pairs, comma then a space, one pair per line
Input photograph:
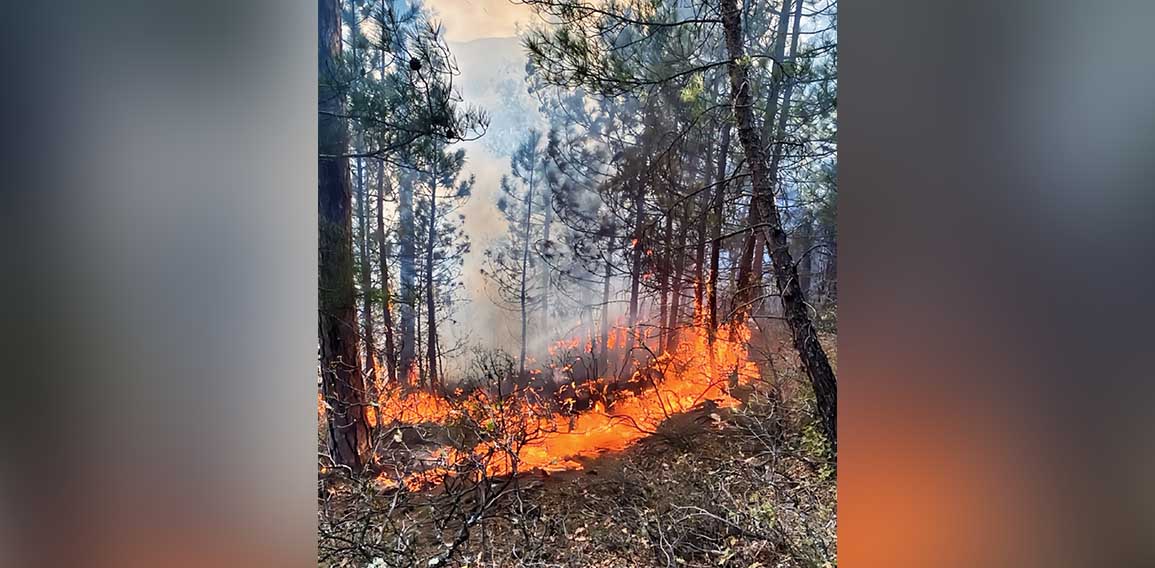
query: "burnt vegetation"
666, 269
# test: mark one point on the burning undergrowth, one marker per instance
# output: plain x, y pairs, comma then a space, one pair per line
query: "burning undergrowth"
718, 484
555, 418
576, 465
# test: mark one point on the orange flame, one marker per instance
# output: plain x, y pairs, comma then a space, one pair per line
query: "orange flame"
544, 438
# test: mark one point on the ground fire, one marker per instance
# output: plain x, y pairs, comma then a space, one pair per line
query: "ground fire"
558, 417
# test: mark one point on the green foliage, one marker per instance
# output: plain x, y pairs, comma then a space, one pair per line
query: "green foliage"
817, 448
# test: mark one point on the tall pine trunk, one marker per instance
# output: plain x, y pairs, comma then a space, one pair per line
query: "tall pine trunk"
828, 288
547, 206
804, 245
342, 384
408, 272
674, 319
700, 269
750, 263
716, 237
366, 274
604, 337
778, 134
522, 296
797, 316
368, 333
636, 261
383, 268
664, 284
383, 262
430, 296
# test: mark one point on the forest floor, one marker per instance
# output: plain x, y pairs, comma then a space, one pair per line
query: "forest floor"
710, 489
748, 488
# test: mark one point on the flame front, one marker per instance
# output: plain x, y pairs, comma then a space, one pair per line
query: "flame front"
543, 437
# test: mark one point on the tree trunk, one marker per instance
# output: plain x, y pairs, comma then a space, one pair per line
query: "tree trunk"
828, 289
803, 244
383, 262
636, 262
716, 238
605, 332
664, 284
673, 322
383, 267
368, 333
366, 274
430, 297
749, 266
797, 316
700, 270
408, 274
522, 297
341, 381
779, 135
679, 268
546, 264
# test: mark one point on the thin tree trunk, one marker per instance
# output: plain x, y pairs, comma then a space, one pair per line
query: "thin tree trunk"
716, 238
804, 242
605, 332
779, 132
522, 298
828, 290
636, 262
342, 384
383, 266
810, 351
430, 285
674, 319
368, 334
366, 274
700, 269
408, 272
749, 273
547, 204
383, 262
664, 284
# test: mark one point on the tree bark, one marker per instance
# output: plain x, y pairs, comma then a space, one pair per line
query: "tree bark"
673, 322
522, 296
797, 316
366, 281
828, 288
342, 383
547, 206
664, 284
636, 262
383, 267
749, 266
716, 238
383, 263
803, 244
778, 136
408, 272
700, 270
430, 297
368, 335
605, 331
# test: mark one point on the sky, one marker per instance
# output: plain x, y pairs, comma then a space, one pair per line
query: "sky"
467, 20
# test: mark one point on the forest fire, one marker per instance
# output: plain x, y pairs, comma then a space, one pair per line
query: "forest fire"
536, 267
551, 427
